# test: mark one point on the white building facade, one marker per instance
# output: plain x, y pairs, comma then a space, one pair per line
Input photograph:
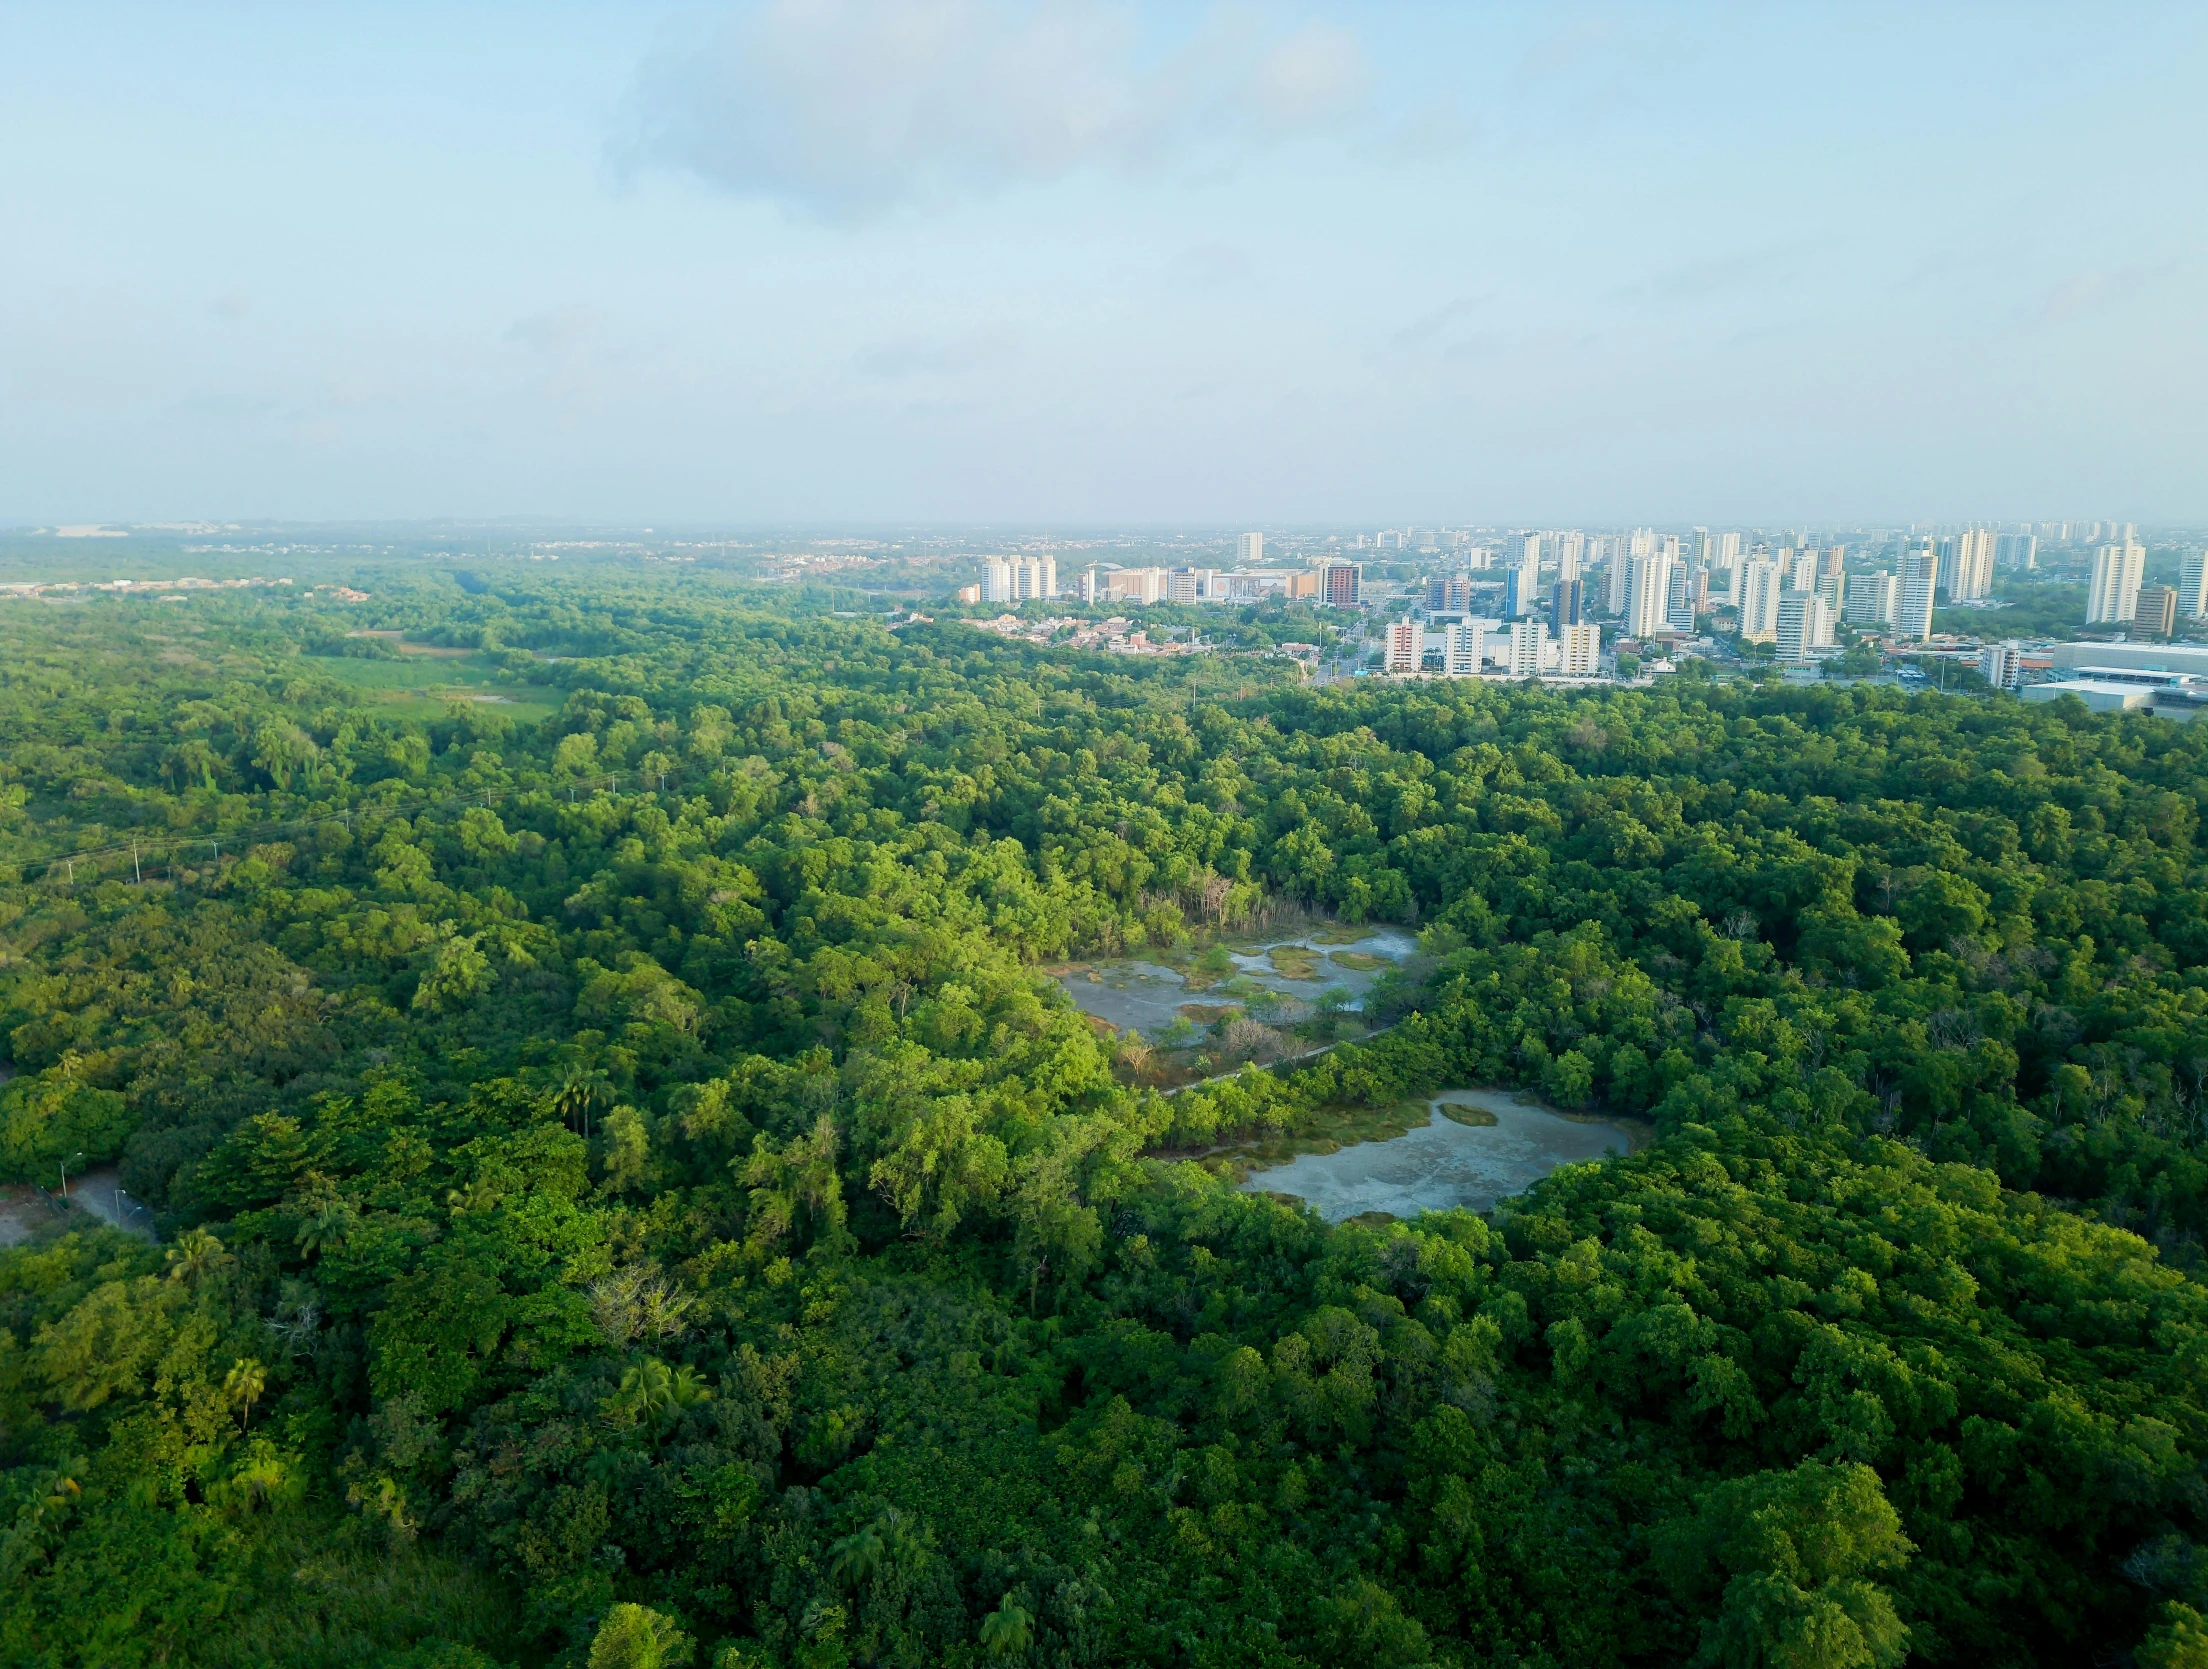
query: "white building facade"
2113, 597
2002, 664
1920, 577
1579, 650
1406, 647
1648, 594
1463, 648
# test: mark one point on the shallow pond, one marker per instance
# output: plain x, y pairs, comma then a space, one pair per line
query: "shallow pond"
1446, 1163
1137, 995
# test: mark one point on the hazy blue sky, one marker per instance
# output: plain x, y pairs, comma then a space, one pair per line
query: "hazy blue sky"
962, 259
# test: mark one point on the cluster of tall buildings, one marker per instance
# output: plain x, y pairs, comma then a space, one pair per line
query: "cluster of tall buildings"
1790, 593
1787, 591
1019, 580
1014, 580
2116, 593
2112, 589
1335, 584
1468, 648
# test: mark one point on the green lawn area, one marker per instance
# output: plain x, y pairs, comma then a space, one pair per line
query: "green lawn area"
421, 685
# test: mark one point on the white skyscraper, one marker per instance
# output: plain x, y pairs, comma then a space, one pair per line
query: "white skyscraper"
1648, 594
1579, 650
2016, 550
1529, 641
1570, 550
2114, 594
1834, 589
1759, 588
1801, 569
997, 582
1406, 647
1249, 550
1803, 625
1522, 579
1967, 561
2192, 587
1616, 580
1873, 600
2001, 664
1679, 599
1184, 585
1464, 646
1920, 575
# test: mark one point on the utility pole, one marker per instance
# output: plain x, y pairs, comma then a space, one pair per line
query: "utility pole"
136, 874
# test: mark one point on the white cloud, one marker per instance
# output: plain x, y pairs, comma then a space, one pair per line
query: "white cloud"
1315, 76
1208, 267
557, 334
975, 350
845, 109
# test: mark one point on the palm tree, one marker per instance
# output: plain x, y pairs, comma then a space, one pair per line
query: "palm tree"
196, 1253
1007, 1631
578, 1093
858, 1557
328, 1221
650, 1392
243, 1385
888, 1542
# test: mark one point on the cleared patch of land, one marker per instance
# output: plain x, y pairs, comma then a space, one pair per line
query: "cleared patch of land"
424, 684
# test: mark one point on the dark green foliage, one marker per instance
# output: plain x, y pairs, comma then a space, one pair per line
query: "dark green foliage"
628, 1197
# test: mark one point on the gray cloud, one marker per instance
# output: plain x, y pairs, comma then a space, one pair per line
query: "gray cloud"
846, 109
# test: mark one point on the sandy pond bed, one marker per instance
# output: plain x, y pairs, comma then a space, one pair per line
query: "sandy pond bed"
1449, 1161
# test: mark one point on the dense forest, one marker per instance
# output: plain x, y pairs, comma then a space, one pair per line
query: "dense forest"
628, 1196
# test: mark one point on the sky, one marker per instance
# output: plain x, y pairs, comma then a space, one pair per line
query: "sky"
860, 262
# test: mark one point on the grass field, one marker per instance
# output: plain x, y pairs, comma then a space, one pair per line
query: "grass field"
422, 685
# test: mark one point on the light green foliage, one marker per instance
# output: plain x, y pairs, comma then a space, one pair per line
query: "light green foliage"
1796, 1553
637, 1637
